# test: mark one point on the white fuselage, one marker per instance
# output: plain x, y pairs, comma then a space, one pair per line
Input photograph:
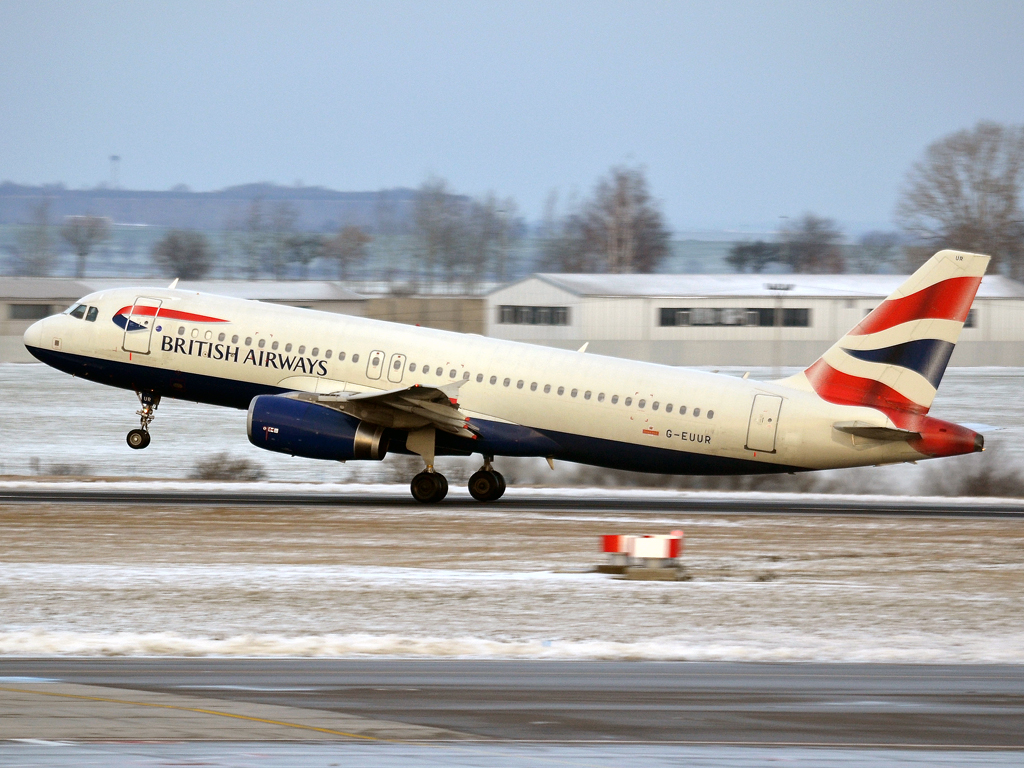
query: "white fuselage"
703, 419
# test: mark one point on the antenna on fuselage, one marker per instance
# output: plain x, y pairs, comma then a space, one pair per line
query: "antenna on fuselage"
174, 284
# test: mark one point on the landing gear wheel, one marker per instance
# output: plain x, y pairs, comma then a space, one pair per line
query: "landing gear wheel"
138, 439
484, 486
429, 487
501, 484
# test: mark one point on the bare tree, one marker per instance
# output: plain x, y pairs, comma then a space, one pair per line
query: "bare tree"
623, 224
347, 248
32, 252
811, 244
965, 193
282, 229
83, 233
254, 238
563, 242
620, 229
439, 219
303, 249
183, 253
755, 256
878, 250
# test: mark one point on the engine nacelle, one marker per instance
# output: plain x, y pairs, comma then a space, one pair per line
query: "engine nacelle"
301, 428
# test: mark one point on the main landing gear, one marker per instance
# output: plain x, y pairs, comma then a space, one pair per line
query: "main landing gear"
486, 484
139, 438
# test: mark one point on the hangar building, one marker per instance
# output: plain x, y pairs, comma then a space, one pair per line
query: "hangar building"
731, 320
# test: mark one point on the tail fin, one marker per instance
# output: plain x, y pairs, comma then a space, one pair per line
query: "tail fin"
895, 357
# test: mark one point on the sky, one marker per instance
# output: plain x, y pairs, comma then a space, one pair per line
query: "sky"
741, 113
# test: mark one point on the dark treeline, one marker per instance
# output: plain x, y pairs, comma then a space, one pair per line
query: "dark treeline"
965, 193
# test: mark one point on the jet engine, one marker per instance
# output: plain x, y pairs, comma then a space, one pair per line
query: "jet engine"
300, 428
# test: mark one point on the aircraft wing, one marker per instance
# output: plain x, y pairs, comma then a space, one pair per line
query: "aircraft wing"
406, 408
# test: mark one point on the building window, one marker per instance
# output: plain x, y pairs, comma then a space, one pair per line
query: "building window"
969, 322
732, 316
29, 311
509, 314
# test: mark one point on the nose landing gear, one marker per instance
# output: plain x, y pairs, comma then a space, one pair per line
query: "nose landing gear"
486, 484
139, 438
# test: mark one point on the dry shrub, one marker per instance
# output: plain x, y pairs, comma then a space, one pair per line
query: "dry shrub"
222, 466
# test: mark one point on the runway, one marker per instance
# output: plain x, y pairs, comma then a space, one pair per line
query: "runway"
763, 705
533, 501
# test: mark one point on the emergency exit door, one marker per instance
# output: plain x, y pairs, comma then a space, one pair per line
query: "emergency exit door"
764, 423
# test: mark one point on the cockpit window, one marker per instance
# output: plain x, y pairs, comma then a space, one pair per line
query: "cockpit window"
78, 311
92, 314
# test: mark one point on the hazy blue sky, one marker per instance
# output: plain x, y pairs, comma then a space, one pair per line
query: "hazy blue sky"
741, 112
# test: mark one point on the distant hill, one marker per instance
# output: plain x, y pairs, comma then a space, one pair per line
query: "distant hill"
318, 209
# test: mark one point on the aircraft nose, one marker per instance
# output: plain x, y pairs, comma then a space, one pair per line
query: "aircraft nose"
34, 334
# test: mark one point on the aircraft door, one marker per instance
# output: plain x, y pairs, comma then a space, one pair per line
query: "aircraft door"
138, 331
396, 369
375, 364
764, 423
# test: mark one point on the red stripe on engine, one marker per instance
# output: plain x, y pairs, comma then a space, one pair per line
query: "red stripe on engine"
947, 300
170, 314
843, 389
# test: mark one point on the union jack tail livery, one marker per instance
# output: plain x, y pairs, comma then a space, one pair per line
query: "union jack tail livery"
894, 358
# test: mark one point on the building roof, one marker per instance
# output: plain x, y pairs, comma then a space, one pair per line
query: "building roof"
703, 286
42, 288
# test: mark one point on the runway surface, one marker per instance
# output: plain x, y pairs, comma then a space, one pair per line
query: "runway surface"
862, 705
534, 502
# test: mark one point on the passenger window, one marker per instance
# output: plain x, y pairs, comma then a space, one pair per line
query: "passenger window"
302, 349
711, 414
234, 339
561, 391
315, 352
274, 346
479, 378
615, 399
78, 312
682, 410
181, 331
93, 313
465, 376
654, 405
696, 412
574, 393
494, 379
327, 355
586, 395
533, 387
208, 335
439, 371
668, 408
451, 373
519, 384
355, 357
628, 401
221, 337
287, 347
374, 361
506, 382
412, 367
641, 404
547, 388
195, 333
248, 341
600, 397
262, 343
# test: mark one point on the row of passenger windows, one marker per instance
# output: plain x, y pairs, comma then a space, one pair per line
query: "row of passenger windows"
274, 345
560, 391
439, 371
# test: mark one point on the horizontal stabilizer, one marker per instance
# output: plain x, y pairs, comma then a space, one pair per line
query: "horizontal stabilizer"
874, 432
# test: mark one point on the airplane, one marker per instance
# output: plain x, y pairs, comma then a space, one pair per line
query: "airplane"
335, 387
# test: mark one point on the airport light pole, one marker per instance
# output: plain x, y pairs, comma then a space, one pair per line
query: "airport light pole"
778, 290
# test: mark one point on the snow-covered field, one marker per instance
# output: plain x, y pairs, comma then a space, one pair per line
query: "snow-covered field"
413, 581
